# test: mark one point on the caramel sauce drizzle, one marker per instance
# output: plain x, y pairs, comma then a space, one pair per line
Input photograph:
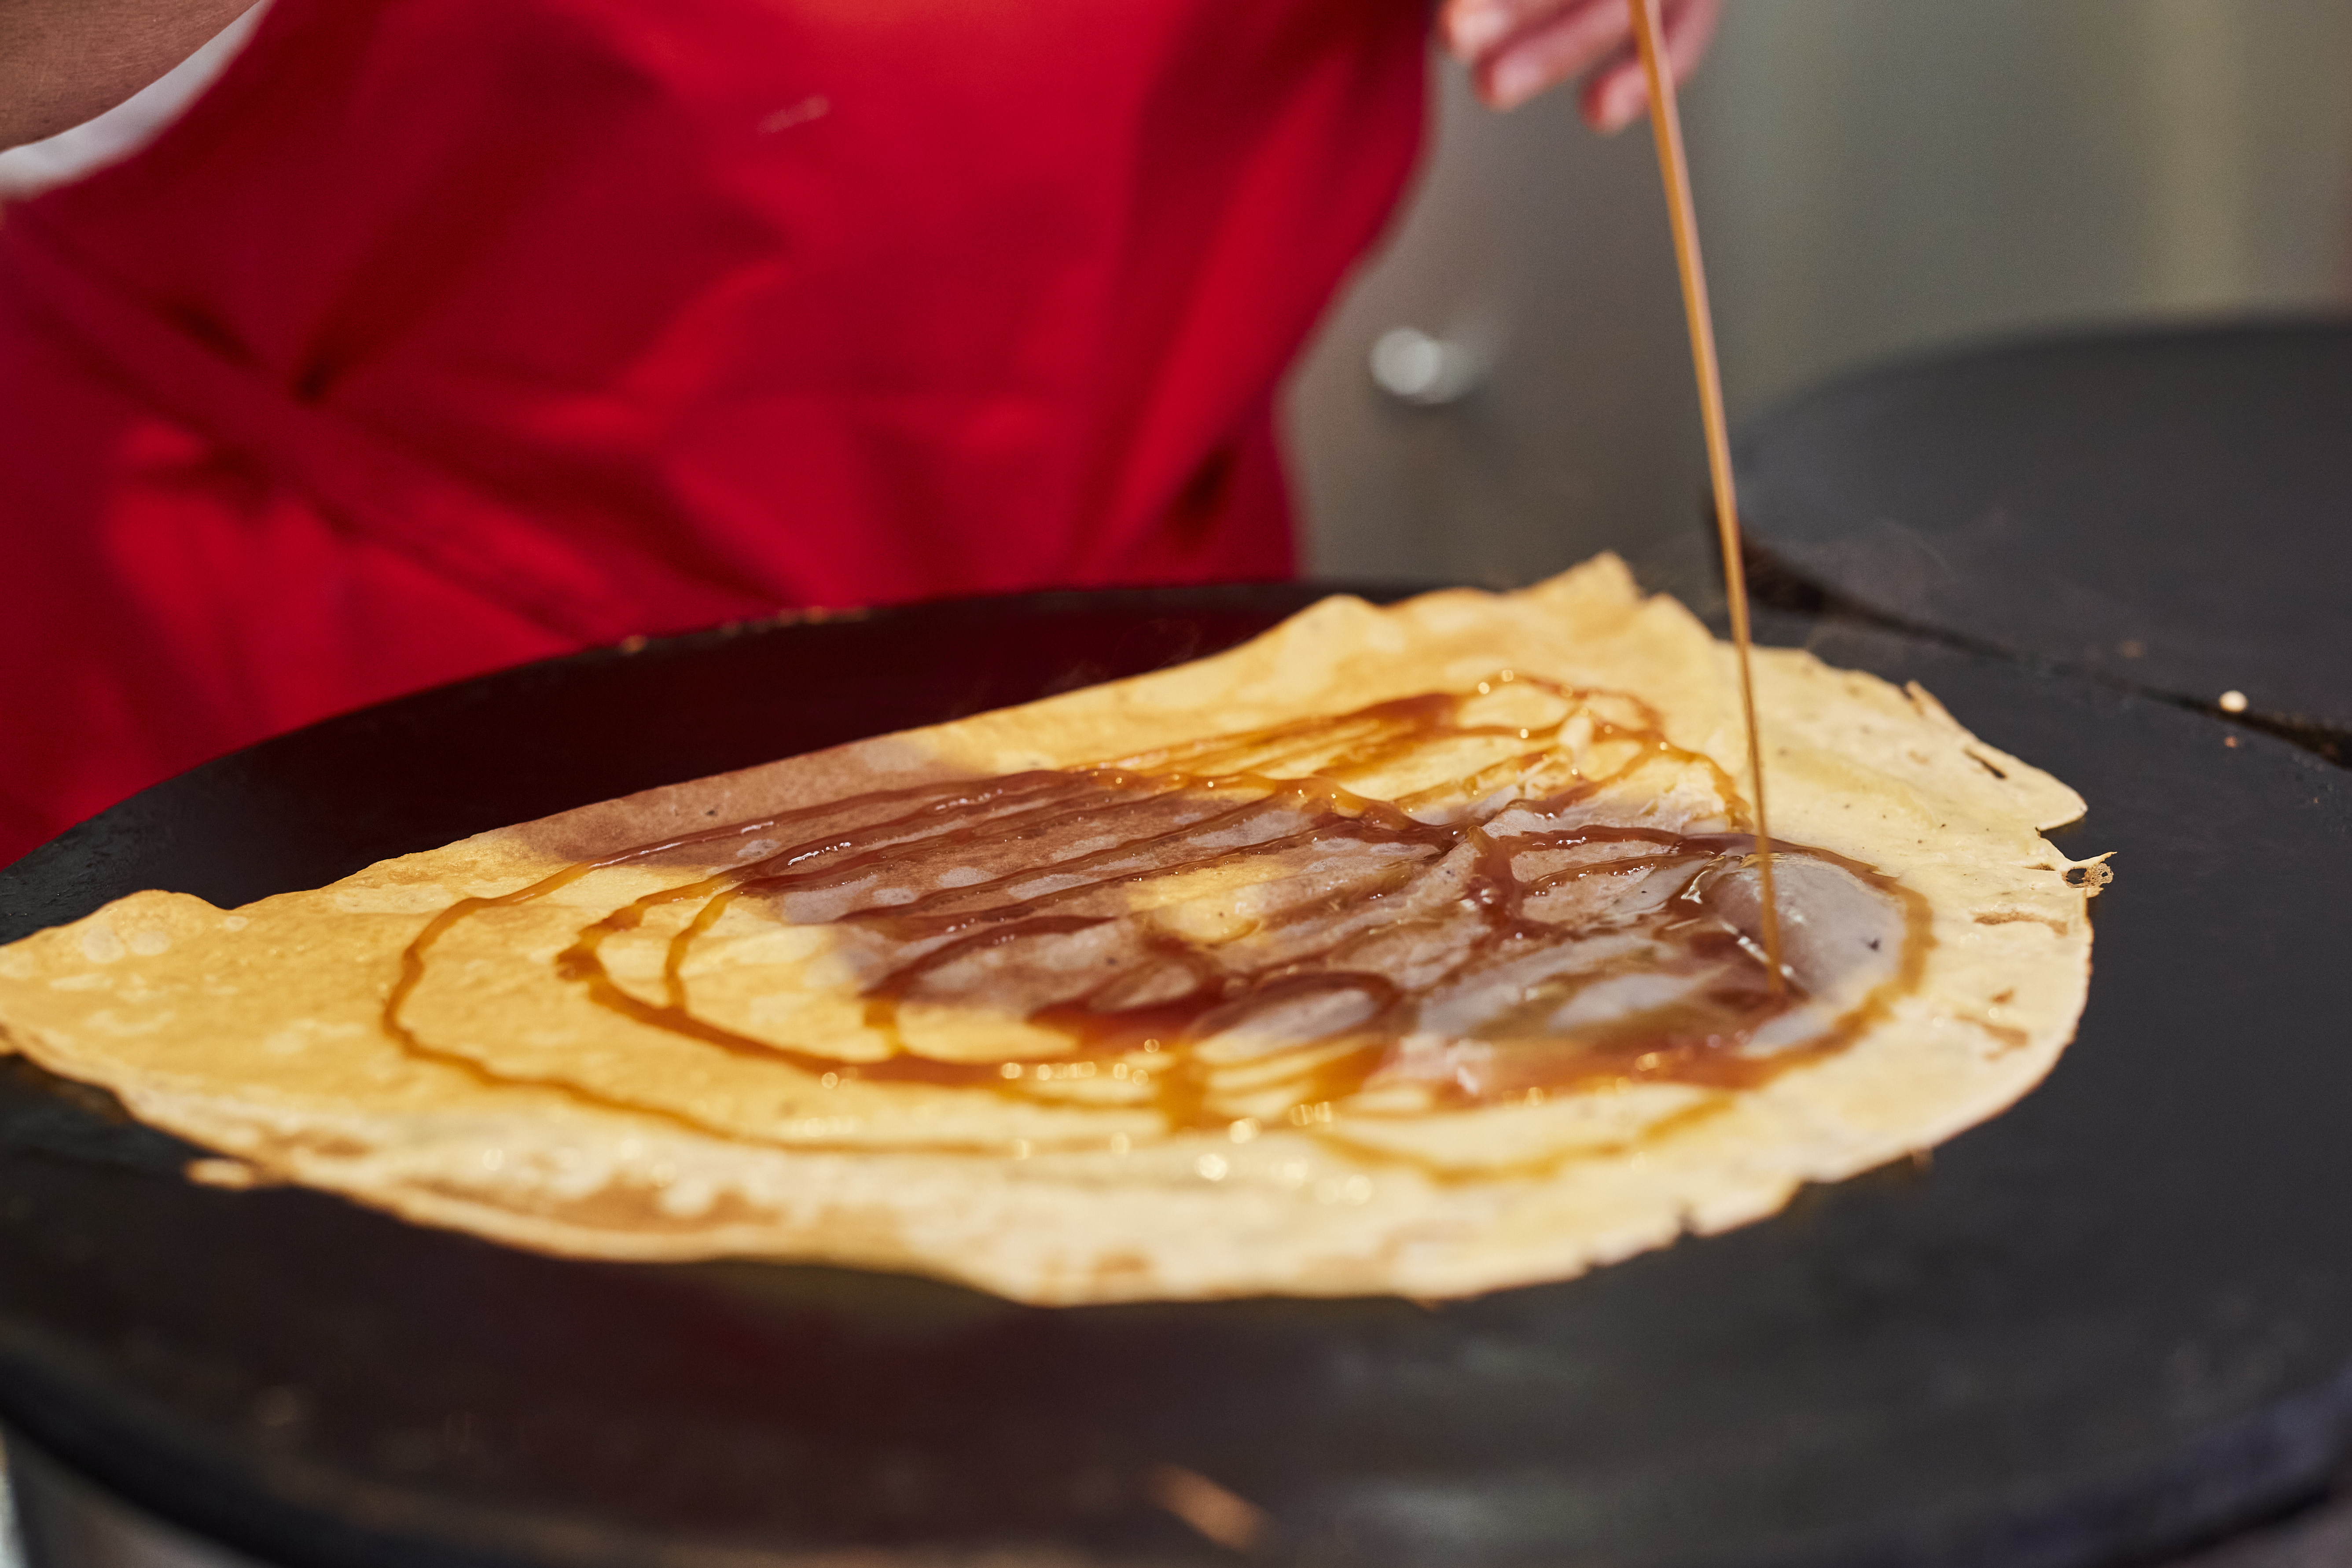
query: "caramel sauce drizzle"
1439, 868
1673, 168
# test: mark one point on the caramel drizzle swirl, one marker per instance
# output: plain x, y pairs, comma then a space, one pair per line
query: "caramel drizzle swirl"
1159, 1028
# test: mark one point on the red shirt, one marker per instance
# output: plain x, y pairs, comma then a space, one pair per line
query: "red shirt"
440, 335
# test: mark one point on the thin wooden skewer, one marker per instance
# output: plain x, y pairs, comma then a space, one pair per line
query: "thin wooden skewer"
1674, 166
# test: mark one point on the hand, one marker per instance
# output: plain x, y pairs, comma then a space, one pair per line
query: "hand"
1517, 48
64, 61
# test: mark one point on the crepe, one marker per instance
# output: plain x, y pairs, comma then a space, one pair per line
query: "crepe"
1411, 950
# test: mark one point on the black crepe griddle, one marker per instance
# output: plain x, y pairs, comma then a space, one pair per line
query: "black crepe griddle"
2113, 1322
2171, 507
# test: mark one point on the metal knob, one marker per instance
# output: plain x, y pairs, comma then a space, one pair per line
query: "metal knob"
1416, 367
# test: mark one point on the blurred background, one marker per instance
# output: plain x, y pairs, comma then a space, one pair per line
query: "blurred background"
1875, 178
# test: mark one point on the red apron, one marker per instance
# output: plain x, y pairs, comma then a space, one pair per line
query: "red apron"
440, 335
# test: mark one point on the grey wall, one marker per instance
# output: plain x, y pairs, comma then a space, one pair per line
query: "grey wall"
1543, 248
1874, 177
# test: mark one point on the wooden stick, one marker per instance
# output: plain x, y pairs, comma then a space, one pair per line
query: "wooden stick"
1674, 166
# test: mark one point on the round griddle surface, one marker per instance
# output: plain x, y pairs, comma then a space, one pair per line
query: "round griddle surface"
2111, 1322
2167, 507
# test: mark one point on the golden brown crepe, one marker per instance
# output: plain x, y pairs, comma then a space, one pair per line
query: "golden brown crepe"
1405, 950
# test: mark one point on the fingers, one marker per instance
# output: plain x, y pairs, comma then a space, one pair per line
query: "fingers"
1517, 49
1617, 94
